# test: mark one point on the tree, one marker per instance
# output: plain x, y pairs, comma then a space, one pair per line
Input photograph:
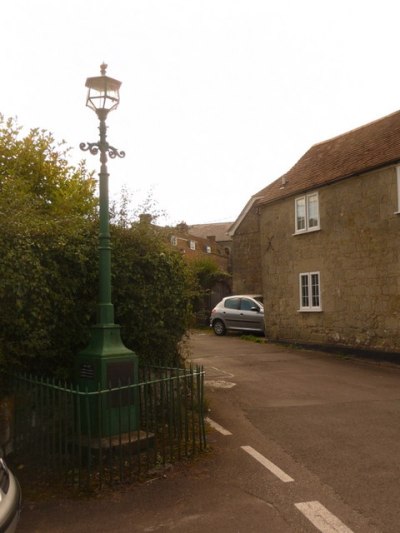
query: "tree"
49, 264
124, 213
47, 208
38, 182
207, 275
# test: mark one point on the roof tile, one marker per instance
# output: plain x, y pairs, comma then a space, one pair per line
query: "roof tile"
366, 148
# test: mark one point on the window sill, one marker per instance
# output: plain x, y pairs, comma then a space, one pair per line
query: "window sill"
316, 310
305, 232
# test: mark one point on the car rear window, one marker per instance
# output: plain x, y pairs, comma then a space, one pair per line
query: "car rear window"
232, 303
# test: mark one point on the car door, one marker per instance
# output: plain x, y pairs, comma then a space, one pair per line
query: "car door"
231, 312
251, 315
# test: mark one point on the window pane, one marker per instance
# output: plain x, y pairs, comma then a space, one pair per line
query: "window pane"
246, 305
304, 291
315, 290
313, 211
232, 303
300, 214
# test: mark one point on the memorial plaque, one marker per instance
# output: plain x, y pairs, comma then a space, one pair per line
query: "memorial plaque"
120, 374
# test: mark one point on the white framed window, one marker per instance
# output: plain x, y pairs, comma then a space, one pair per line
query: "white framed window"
310, 291
174, 240
208, 249
307, 213
192, 245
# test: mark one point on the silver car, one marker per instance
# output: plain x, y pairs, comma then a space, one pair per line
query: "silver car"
10, 499
243, 312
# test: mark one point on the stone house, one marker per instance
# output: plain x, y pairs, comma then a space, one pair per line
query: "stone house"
246, 250
324, 241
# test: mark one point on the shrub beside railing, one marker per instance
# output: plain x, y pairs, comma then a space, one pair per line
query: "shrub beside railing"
52, 428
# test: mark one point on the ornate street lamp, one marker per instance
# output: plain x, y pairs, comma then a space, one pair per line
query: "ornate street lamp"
103, 97
106, 362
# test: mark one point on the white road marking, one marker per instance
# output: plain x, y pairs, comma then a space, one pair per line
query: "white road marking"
227, 374
219, 428
321, 518
219, 384
267, 463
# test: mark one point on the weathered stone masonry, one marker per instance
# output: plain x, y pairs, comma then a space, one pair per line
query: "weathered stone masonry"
246, 259
356, 252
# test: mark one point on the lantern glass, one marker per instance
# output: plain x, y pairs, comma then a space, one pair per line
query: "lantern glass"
103, 93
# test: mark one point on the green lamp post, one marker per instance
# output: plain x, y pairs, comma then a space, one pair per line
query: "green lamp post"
106, 363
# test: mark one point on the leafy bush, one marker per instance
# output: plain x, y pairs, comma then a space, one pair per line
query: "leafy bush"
48, 291
151, 293
207, 275
49, 265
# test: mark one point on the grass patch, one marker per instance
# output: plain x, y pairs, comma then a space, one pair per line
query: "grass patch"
253, 338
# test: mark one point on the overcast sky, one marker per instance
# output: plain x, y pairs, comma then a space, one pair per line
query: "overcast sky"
218, 97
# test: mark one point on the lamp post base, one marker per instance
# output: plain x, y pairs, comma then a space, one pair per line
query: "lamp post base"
106, 363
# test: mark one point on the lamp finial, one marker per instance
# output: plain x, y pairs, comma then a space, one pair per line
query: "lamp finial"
103, 68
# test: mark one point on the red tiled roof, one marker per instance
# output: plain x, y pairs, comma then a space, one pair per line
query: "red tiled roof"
217, 229
366, 148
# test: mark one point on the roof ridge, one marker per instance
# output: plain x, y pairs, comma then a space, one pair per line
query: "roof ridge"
368, 147
363, 126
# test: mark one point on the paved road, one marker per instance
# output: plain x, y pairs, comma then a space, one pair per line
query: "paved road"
304, 442
332, 424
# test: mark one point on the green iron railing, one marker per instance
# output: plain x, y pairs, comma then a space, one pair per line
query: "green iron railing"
57, 426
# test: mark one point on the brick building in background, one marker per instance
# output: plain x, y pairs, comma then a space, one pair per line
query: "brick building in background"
215, 246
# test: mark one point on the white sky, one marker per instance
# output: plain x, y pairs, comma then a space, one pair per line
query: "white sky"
218, 97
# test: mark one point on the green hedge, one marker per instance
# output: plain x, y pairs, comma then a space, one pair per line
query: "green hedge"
49, 286
49, 263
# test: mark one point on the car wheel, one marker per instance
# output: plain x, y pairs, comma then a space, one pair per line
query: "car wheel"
219, 327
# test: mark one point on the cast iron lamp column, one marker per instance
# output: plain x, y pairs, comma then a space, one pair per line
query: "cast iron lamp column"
103, 97
106, 362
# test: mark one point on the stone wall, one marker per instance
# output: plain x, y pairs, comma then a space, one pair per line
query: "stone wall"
246, 257
356, 252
